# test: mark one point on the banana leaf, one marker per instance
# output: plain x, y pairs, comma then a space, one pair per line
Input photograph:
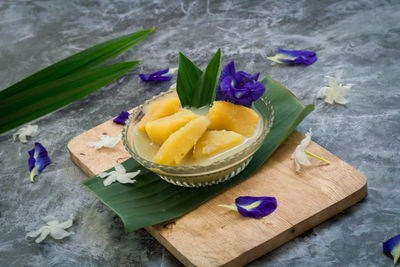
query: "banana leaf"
28, 105
151, 200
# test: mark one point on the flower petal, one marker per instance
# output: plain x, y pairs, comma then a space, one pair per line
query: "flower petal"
24, 132
340, 100
106, 141
393, 247
68, 223
59, 233
121, 118
37, 232
44, 233
119, 168
128, 177
38, 160
240, 88
256, 207
294, 57
109, 180
323, 92
156, 76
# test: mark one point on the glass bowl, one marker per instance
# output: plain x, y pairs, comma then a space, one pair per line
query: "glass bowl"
219, 170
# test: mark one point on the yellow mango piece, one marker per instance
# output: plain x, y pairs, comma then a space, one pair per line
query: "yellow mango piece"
159, 130
215, 141
178, 144
227, 116
159, 109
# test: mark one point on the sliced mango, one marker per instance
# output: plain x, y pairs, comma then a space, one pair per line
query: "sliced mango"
227, 116
159, 130
178, 144
215, 141
159, 109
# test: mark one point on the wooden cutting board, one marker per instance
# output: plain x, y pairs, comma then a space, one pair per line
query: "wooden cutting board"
214, 236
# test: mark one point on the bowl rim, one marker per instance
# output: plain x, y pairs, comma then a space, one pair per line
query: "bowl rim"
218, 164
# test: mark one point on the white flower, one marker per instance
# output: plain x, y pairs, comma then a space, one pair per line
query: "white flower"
54, 228
22, 133
106, 141
300, 153
119, 175
334, 92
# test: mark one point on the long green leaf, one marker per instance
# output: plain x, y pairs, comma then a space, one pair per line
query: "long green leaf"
28, 105
204, 91
152, 200
86, 59
188, 75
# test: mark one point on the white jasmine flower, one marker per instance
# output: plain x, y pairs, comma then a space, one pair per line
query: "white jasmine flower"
106, 141
334, 92
22, 133
300, 153
119, 175
54, 228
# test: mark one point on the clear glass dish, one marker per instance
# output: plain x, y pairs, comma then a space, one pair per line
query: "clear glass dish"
199, 175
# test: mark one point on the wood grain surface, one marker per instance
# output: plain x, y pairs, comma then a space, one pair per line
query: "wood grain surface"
214, 236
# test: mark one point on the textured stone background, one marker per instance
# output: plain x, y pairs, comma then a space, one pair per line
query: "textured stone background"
357, 41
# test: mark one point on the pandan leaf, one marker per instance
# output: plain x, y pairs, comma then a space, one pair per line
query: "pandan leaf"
40, 100
65, 81
151, 200
204, 91
88, 58
188, 75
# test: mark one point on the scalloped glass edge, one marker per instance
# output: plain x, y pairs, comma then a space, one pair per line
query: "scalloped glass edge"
152, 201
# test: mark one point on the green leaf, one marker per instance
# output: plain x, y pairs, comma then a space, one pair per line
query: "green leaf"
28, 105
86, 59
188, 75
152, 200
204, 91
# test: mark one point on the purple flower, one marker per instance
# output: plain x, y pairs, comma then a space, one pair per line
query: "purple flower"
122, 117
294, 57
393, 247
238, 88
157, 76
38, 160
255, 207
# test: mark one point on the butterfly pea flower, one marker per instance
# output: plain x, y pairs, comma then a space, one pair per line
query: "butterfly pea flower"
53, 228
239, 87
294, 57
24, 132
119, 175
38, 160
105, 141
158, 75
121, 118
334, 92
255, 207
392, 246
300, 153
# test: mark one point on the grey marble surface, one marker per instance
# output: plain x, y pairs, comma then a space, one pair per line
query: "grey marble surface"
356, 41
